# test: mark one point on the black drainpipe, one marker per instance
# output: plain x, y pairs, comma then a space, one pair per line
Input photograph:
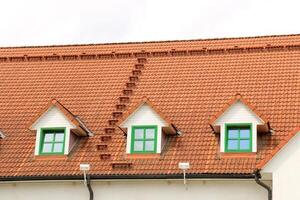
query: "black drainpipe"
259, 182
88, 184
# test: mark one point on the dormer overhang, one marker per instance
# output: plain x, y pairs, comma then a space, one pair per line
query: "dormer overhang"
167, 126
2, 135
78, 127
229, 111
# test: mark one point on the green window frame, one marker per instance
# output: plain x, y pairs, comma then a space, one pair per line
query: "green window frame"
143, 137
52, 141
238, 137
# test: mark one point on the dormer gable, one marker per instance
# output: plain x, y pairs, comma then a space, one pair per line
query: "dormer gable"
144, 122
53, 117
238, 124
237, 113
57, 128
144, 115
54, 114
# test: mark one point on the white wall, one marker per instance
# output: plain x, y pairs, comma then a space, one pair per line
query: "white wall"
144, 115
238, 113
51, 119
136, 190
285, 169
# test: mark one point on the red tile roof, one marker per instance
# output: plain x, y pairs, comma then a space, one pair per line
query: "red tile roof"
189, 82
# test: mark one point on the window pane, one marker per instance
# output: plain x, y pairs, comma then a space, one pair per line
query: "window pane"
149, 146
48, 137
232, 144
59, 137
58, 147
233, 133
244, 144
245, 133
139, 133
138, 146
150, 133
47, 148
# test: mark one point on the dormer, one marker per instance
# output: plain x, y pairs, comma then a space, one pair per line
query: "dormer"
238, 124
146, 129
57, 130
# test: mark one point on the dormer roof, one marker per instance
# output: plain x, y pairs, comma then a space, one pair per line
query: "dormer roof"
246, 107
80, 128
168, 126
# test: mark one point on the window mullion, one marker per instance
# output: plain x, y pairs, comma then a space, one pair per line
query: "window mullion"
144, 140
53, 142
239, 139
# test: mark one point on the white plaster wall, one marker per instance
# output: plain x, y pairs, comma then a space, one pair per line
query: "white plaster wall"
50, 119
136, 190
238, 113
144, 115
285, 169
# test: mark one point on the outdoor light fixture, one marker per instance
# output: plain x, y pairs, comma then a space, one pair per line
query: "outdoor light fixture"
85, 168
184, 167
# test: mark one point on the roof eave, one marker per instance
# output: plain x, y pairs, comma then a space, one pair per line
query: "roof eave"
134, 176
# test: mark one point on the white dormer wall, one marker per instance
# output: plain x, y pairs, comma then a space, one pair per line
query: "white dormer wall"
144, 115
238, 113
52, 118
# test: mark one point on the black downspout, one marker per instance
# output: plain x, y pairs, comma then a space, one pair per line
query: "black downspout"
88, 184
259, 182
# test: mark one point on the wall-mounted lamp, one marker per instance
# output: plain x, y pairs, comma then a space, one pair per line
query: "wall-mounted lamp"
184, 167
85, 168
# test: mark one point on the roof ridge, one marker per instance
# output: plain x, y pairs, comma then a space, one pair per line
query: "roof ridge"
161, 53
153, 41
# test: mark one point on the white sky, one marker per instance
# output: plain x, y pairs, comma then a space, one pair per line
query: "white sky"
49, 22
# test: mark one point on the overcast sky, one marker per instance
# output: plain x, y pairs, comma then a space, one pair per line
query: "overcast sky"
49, 22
